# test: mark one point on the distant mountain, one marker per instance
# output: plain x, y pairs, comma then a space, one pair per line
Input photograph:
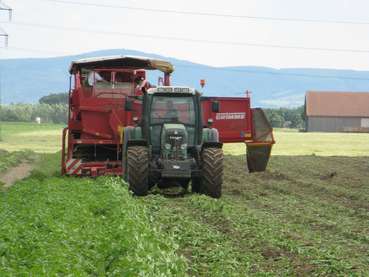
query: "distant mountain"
26, 80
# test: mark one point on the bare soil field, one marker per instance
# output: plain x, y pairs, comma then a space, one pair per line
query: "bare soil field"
15, 174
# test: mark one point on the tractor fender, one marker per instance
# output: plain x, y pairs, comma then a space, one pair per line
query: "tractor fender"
210, 138
132, 136
210, 135
132, 133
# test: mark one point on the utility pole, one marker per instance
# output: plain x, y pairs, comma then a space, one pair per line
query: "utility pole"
3, 8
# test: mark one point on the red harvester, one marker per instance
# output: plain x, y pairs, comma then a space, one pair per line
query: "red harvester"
120, 124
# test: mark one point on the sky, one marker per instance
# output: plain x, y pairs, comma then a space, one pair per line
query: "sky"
44, 28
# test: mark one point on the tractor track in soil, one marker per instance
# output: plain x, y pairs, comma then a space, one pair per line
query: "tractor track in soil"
14, 174
232, 239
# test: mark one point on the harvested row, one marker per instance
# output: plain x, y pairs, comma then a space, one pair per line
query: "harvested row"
298, 218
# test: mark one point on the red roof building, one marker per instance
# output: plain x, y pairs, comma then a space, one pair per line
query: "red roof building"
337, 111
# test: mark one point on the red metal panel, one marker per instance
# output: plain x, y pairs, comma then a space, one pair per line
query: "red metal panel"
233, 120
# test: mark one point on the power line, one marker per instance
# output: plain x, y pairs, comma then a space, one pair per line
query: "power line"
210, 14
225, 69
218, 42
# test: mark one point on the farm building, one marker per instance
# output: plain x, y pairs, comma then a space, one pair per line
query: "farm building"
337, 111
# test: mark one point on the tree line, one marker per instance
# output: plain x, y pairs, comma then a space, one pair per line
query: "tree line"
53, 108
50, 109
286, 117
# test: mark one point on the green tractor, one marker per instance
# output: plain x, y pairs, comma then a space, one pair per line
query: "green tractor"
169, 146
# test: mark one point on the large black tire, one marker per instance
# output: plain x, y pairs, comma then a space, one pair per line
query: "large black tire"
212, 172
138, 169
127, 136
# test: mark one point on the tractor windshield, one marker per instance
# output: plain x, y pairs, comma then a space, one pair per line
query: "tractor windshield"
110, 84
166, 109
172, 109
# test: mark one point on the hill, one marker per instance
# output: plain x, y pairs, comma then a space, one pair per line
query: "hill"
26, 80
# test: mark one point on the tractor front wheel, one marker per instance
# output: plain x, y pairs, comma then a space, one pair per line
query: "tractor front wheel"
138, 169
212, 172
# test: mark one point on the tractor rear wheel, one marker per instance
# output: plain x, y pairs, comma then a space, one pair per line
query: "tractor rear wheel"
212, 172
138, 169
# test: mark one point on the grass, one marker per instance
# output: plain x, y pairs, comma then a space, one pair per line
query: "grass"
293, 143
46, 138
307, 215
40, 138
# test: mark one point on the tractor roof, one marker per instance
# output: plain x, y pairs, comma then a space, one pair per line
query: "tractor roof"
121, 61
171, 89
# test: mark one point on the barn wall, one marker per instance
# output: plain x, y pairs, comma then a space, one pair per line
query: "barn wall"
335, 124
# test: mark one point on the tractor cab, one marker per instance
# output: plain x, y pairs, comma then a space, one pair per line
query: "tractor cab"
173, 121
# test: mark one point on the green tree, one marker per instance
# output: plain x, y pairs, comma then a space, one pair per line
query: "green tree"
54, 98
275, 118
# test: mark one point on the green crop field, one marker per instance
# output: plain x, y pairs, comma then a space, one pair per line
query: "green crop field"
40, 138
307, 215
292, 142
46, 138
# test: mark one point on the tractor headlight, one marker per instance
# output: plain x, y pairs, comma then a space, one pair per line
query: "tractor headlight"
167, 146
184, 146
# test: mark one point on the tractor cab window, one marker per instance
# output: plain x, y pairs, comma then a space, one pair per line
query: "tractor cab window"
109, 83
123, 80
166, 109
175, 109
98, 79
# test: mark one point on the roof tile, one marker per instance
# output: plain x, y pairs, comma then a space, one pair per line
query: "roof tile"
330, 103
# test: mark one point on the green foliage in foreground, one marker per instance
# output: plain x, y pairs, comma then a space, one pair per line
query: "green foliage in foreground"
60, 226
305, 216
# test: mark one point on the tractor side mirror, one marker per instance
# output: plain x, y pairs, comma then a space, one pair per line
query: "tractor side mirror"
128, 105
215, 106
